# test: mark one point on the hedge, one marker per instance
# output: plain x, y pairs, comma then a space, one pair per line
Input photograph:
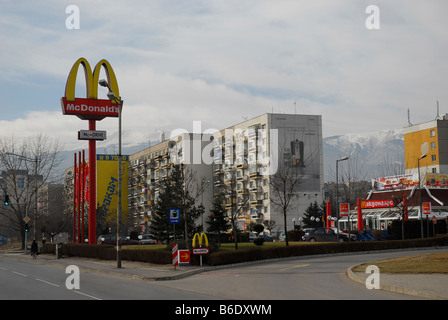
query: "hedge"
163, 256
109, 252
229, 257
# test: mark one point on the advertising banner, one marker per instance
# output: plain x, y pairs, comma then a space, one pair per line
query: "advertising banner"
107, 184
437, 180
395, 182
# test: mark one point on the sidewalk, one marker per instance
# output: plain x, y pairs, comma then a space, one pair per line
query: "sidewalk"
129, 269
429, 286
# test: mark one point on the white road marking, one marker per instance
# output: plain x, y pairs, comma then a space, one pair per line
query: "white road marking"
53, 284
87, 295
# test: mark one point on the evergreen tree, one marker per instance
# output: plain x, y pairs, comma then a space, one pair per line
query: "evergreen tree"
315, 211
173, 194
218, 221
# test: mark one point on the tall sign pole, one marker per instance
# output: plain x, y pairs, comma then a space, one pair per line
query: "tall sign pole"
92, 186
92, 109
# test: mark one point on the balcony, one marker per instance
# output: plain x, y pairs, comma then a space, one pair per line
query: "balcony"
256, 203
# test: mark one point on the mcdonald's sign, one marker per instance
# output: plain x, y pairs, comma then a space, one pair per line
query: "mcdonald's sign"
90, 107
200, 239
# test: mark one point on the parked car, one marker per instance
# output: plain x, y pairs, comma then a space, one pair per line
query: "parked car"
112, 239
266, 237
146, 239
325, 235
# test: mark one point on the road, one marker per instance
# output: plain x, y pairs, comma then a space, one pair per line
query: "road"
312, 278
21, 280
321, 278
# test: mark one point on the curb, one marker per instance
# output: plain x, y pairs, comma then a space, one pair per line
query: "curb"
387, 287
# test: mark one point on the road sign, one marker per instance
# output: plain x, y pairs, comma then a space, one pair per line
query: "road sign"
434, 219
26, 219
91, 135
201, 250
184, 256
174, 215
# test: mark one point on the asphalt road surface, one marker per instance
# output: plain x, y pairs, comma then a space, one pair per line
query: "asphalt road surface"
313, 278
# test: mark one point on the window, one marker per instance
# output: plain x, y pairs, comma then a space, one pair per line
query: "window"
432, 133
20, 183
433, 145
433, 158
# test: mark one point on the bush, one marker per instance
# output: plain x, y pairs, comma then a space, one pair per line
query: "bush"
259, 241
295, 235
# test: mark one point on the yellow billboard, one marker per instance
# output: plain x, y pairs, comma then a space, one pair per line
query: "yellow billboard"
107, 185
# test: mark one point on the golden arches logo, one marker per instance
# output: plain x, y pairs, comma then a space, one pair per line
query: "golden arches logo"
90, 107
200, 239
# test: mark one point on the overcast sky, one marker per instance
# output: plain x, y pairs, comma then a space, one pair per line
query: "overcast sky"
222, 61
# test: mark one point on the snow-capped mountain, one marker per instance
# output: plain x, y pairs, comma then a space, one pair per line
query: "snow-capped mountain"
371, 154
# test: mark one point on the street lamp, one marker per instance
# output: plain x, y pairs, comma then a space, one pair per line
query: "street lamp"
337, 195
112, 97
420, 193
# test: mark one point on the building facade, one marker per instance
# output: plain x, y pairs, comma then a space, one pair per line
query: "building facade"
430, 138
149, 167
248, 155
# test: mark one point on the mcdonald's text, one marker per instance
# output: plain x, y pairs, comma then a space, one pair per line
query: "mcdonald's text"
89, 109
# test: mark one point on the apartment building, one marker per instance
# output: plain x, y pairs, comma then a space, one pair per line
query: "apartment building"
248, 154
149, 167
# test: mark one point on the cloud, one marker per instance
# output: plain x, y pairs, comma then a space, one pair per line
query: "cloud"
221, 61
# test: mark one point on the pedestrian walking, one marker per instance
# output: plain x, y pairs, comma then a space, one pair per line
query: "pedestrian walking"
34, 249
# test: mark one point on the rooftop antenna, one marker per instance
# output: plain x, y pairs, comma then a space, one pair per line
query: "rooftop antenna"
438, 116
409, 119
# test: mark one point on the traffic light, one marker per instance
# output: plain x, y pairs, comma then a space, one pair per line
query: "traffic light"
27, 227
6, 200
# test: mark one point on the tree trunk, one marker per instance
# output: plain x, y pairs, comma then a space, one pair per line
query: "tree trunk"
286, 228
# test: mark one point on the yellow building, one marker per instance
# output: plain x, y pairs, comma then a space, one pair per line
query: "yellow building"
430, 139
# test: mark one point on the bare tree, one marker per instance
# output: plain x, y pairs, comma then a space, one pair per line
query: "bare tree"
26, 166
237, 204
283, 185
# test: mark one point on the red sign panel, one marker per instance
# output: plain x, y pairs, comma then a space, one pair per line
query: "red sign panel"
372, 204
344, 209
89, 109
426, 206
184, 256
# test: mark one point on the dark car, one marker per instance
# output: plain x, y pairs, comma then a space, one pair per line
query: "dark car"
325, 235
112, 239
146, 239
266, 237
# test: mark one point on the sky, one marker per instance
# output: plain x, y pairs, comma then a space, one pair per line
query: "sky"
223, 61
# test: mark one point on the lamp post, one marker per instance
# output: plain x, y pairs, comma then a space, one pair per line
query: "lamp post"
337, 195
420, 193
112, 97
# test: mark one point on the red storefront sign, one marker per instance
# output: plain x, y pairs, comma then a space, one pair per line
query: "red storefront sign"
373, 204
